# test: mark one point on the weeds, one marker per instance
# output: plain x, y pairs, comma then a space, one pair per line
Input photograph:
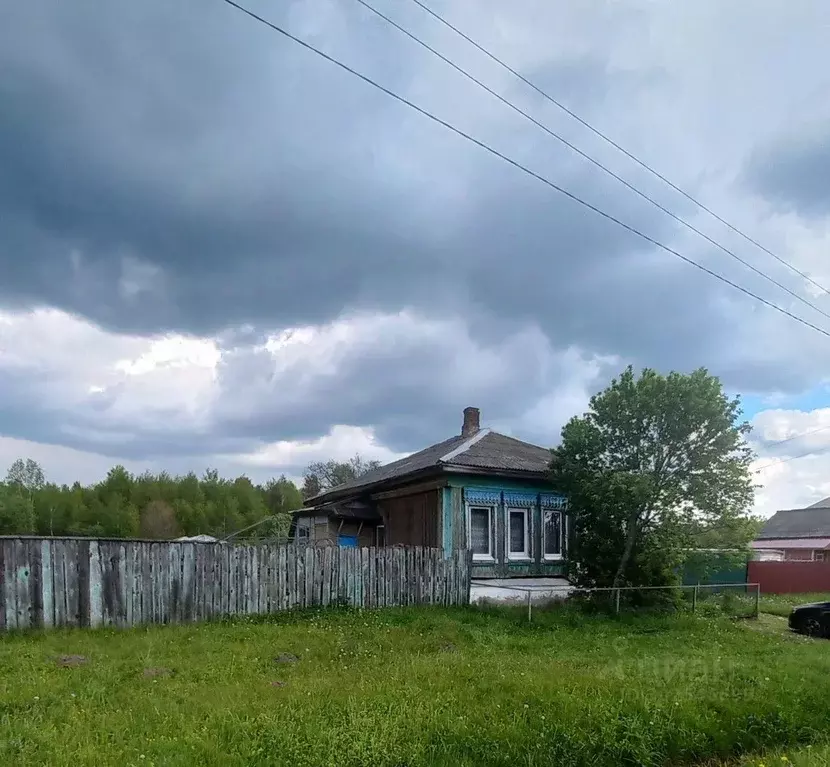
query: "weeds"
382, 688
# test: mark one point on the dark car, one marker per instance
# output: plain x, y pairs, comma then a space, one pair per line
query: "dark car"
812, 619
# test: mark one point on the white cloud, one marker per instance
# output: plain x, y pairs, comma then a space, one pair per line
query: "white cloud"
110, 393
72, 365
340, 444
796, 473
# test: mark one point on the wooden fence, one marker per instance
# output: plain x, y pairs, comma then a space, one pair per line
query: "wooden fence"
85, 582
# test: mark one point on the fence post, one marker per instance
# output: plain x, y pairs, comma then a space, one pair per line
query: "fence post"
757, 599
617, 600
529, 607
694, 599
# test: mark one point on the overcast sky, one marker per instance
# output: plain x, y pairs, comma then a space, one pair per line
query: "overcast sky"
217, 249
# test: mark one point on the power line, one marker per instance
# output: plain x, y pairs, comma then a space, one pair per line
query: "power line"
797, 436
779, 461
516, 164
784, 460
586, 156
617, 146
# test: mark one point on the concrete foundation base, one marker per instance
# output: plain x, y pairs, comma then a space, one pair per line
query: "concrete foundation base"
515, 590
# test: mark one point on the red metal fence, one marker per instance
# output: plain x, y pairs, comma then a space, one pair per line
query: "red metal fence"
790, 577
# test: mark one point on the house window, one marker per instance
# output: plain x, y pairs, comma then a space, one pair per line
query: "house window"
481, 532
303, 530
518, 533
552, 534
380, 536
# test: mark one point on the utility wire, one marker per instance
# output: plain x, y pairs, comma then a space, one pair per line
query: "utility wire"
778, 461
783, 460
614, 144
516, 164
586, 156
797, 436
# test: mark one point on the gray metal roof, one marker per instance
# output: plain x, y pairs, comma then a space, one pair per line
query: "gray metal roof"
824, 503
797, 523
486, 450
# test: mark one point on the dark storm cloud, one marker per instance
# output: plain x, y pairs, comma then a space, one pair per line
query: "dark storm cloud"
179, 167
260, 181
410, 385
795, 173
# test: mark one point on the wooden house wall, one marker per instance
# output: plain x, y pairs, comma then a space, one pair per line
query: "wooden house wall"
413, 520
454, 507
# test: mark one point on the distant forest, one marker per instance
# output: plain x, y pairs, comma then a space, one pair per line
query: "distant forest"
160, 505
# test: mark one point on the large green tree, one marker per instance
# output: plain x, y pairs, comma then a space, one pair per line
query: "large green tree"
655, 460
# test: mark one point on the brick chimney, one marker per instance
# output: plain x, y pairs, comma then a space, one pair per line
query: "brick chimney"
471, 426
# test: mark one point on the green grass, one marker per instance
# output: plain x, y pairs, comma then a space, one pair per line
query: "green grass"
806, 757
414, 687
781, 604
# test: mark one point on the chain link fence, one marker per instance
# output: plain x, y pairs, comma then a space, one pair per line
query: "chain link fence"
734, 600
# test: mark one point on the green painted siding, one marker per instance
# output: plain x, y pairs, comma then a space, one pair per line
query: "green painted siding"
454, 510
465, 480
712, 567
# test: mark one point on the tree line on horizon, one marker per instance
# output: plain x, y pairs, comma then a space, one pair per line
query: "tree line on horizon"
161, 506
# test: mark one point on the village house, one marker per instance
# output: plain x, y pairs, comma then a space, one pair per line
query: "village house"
797, 534
479, 490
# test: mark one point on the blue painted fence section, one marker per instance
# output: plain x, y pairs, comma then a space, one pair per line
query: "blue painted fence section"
89, 582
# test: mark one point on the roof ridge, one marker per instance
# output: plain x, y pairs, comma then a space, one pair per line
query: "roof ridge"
520, 441
464, 446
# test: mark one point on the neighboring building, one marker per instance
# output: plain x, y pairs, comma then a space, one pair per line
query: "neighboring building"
801, 534
480, 490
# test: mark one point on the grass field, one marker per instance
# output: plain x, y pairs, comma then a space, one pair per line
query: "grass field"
807, 757
781, 604
414, 687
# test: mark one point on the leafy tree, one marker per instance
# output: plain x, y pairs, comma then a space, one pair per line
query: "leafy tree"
653, 459
731, 533
153, 505
325, 475
16, 513
27, 475
158, 520
311, 486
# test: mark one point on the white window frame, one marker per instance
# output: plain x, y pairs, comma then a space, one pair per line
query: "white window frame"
526, 554
553, 557
491, 526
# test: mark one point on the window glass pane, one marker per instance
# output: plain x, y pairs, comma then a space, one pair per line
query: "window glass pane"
518, 531
553, 533
480, 531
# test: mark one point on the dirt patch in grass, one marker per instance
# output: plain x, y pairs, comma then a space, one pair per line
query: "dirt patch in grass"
155, 673
72, 661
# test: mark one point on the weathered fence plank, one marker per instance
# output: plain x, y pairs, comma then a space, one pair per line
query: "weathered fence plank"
88, 582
